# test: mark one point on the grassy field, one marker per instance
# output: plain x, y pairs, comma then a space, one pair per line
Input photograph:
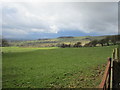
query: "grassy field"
20, 49
54, 67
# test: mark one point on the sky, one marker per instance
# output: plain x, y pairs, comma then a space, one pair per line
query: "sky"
34, 20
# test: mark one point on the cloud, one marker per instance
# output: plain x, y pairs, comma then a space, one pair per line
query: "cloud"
54, 17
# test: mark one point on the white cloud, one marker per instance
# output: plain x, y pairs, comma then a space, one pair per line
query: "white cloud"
16, 31
37, 30
53, 17
54, 29
60, 0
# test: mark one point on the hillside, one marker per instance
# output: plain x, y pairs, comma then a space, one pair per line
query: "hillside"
55, 41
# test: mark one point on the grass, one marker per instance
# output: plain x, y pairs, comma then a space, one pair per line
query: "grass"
58, 67
21, 49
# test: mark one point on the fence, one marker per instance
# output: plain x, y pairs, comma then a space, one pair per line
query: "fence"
116, 69
110, 78
105, 83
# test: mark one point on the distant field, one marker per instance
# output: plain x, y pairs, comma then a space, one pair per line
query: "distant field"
21, 49
54, 67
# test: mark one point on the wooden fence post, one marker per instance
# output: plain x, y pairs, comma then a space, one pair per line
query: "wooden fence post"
111, 73
113, 54
117, 54
110, 76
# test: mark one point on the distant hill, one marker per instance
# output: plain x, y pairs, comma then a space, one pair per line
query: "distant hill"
55, 41
66, 37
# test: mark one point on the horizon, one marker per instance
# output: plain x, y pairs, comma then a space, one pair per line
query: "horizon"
57, 37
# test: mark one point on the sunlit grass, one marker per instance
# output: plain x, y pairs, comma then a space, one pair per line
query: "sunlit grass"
25, 49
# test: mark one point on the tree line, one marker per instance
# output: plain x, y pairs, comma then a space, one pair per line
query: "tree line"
109, 40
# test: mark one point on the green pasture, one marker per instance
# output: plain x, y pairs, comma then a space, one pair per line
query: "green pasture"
54, 67
24, 49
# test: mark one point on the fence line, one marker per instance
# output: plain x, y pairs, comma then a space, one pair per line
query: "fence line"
116, 68
105, 83
108, 77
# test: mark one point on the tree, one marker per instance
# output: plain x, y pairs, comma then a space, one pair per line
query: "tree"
62, 45
87, 45
107, 39
114, 39
5, 43
65, 45
102, 42
93, 43
78, 44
